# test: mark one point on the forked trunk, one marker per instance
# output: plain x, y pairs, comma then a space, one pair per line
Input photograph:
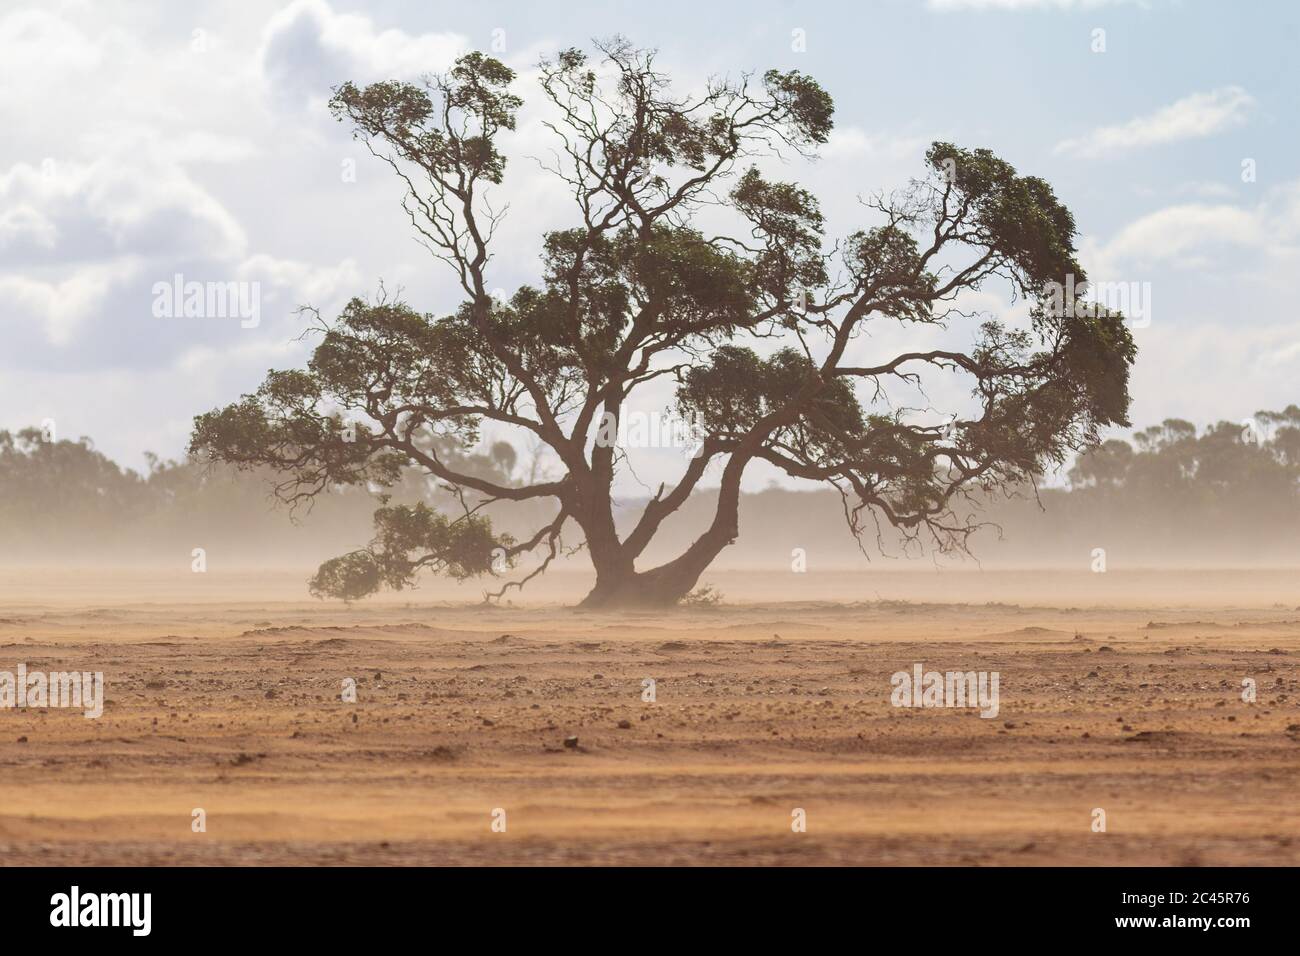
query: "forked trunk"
658, 588
619, 585
663, 586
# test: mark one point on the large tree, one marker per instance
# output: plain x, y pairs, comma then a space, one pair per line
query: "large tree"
753, 318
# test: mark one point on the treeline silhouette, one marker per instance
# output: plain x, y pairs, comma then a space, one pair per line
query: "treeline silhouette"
1171, 495
66, 502
1228, 494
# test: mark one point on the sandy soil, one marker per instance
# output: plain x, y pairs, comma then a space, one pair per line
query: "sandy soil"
1119, 692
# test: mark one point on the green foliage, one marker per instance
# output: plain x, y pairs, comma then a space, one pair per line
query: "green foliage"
808, 107
887, 261
1018, 217
576, 322
737, 389
408, 539
790, 220
283, 426
1227, 465
473, 95
348, 577
49, 486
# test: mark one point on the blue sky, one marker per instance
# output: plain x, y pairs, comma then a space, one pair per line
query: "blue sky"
142, 141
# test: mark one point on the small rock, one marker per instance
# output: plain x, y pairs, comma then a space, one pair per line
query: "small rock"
625, 725
571, 743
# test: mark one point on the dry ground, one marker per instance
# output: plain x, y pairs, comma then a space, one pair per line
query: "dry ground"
1118, 691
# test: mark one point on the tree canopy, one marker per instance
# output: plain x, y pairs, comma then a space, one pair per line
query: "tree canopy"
754, 324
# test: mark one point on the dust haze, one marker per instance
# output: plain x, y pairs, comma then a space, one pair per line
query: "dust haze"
1121, 690
959, 548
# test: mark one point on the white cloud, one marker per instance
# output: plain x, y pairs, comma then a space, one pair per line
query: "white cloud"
60, 306
1173, 233
291, 283
149, 171
1193, 117
1222, 336
36, 40
26, 222
1192, 235
308, 48
72, 232
1237, 368
852, 142
1284, 352
130, 411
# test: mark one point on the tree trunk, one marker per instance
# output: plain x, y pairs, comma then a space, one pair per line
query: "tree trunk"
619, 585
658, 588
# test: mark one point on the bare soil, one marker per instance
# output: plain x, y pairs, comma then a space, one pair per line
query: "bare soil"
223, 693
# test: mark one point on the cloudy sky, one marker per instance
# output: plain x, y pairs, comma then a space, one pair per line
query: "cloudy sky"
141, 141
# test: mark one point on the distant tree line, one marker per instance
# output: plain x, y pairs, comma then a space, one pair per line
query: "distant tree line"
66, 500
1229, 494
